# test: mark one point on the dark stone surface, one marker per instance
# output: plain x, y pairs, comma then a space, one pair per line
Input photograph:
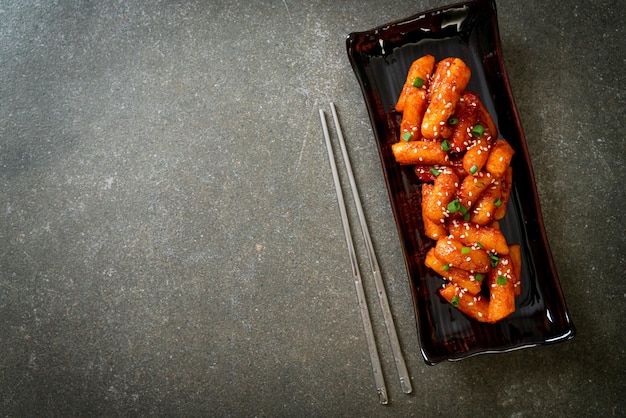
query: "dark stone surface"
171, 243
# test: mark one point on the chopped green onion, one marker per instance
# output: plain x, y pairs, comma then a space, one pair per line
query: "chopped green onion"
418, 82
479, 277
453, 121
435, 172
407, 136
501, 280
445, 267
455, 301
480, 245
480, 184
473, 169
478, 131
494, 260
497, 203
465, 250
463, 210
454, 206
445, 145
466, 217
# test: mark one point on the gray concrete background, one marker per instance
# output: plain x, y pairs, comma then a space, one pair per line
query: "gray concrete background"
171, 242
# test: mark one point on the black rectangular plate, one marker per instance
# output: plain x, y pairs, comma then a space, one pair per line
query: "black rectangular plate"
380, 58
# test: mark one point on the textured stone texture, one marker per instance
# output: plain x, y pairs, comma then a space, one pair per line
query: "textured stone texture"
171, 243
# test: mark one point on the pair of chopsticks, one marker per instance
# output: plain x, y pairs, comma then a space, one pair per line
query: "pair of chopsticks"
405, 380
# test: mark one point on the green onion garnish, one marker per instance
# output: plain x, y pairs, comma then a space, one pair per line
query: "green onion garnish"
497, 203
453, 121
480, 245
455, 301
465, 250
478, 131
494, 260
445, 145
479, 277
466, 217
435, 172
473, 169
407, 136
501, 280
445, 267
454, 206
418, 82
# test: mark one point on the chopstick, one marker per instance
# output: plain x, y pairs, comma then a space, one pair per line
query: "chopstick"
405, 379
365, 316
